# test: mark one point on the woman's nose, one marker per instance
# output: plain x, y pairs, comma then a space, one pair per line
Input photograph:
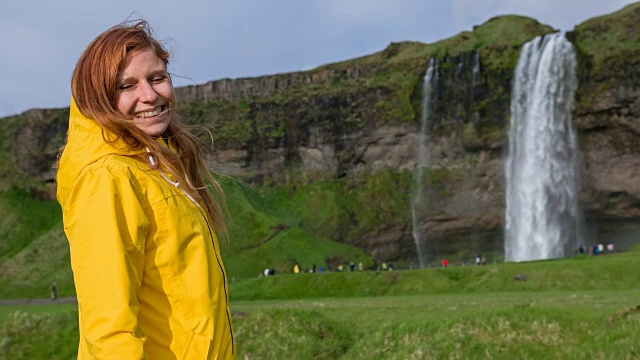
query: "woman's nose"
147, 93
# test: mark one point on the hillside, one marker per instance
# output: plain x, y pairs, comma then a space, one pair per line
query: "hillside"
325, 158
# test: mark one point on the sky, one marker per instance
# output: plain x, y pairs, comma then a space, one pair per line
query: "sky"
41, 40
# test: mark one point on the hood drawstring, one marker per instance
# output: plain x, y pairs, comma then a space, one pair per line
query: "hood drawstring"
153, 165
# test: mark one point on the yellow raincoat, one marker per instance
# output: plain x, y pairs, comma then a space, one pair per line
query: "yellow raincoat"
146, 262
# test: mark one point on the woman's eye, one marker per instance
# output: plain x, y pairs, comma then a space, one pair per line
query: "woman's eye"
125, 87
158, 79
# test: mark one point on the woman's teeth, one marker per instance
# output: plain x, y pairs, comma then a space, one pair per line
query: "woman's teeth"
147, 114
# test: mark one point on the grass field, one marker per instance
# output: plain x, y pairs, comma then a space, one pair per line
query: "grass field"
577, 308
583, 325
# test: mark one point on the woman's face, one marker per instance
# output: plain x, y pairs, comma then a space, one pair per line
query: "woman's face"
145, 92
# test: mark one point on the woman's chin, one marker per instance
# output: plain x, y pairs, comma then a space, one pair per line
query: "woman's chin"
153, 126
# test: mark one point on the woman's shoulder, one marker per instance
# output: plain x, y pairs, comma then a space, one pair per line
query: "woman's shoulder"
124, 173
118, 166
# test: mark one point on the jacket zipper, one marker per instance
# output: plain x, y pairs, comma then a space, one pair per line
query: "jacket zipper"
176, 184
224, 280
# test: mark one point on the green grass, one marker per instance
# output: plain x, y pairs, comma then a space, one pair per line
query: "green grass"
489, 325
608, 37
7, 311
581, 308
23, 219
44, 260
291, 334
346, 210
33, 249
606, 47
39, 335
291, 247
502, 31
267, 230
605, 272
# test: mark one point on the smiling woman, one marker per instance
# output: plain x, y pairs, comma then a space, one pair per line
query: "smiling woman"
141, 223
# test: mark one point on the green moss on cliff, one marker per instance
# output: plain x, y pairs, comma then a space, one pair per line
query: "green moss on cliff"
460, 98
383, 199
354, 210
606, 37
346, 210
396, 72
608, 53
29, 145
233, 126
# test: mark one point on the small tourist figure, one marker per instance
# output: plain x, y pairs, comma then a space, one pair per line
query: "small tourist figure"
54, 291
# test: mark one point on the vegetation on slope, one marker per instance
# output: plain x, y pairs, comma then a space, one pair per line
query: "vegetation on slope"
609, 52
29, 145
611, 40
390, 80
36, 251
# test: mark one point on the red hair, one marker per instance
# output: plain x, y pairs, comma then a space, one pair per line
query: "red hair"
94, 89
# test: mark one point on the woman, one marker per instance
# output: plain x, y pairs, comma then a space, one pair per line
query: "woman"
137, 213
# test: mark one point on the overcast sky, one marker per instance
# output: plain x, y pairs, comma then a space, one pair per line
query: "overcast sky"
212, 39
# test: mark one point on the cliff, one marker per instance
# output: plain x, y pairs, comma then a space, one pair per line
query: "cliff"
351, 129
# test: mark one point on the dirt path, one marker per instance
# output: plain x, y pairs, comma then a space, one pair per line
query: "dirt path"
62, 300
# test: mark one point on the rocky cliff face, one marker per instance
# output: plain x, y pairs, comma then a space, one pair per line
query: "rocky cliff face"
335, 124
29, 146
349, 121
610, 139
608, 113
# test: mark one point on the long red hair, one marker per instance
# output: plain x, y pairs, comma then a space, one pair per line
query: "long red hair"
94, 88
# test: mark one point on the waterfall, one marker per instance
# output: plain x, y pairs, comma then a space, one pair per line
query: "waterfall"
476, 68
542, 218
475, 80
460, 66
418, 202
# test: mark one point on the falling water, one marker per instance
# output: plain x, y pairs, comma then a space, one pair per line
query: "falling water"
476, 68
475, 80
460, 66
418, 203
542, 213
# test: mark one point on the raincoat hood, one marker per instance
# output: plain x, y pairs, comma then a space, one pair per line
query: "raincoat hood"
85, 145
